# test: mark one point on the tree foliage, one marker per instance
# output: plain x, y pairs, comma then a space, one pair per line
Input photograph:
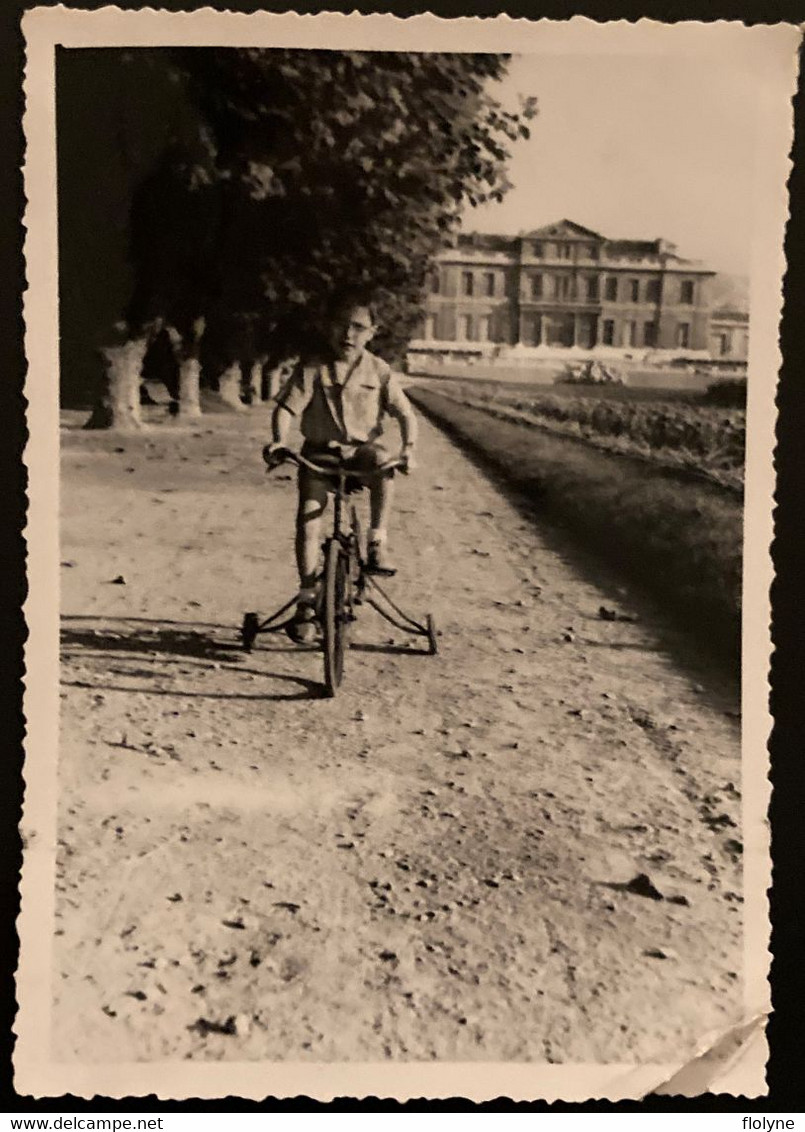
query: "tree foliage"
315, 171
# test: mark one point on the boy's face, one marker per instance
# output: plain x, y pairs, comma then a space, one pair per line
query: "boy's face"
351, 332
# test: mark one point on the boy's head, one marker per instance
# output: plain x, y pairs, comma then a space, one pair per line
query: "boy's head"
351, 325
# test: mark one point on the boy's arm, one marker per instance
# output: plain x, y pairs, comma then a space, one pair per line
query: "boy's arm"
399, 407
280, 425
291, 402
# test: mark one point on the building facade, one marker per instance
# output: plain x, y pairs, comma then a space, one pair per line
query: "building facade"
564, 287
729, 335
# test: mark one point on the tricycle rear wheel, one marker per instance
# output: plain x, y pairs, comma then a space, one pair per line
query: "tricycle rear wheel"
248, 631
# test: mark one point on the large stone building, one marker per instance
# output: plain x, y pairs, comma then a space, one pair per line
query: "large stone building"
564, 287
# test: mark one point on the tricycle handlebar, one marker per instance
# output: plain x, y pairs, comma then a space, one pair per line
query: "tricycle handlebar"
284, 455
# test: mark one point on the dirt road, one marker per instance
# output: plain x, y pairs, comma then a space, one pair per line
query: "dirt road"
434, 865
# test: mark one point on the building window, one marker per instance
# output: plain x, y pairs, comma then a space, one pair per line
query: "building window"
686, 292
537, 251
430, 327
634, 290
559, 329
653, 291
608, 332
435, 283
585, 331
683, 335
536, 286
531, 329
484, 328
467, 283
465, 327
612, 289
564, 287
650, 334
565, 251
723, 344
629, 333
592, 286
489, 283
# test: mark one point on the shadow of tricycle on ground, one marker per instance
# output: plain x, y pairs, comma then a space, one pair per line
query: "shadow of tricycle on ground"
163, 643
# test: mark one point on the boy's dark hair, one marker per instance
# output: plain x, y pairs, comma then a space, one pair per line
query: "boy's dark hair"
348, 298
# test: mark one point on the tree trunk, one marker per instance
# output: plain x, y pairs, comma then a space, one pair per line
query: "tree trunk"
185, 350
275, 382
229, 387
189, 389
119, 405
255, 381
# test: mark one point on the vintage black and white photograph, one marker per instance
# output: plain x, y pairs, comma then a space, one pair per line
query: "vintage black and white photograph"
401, 409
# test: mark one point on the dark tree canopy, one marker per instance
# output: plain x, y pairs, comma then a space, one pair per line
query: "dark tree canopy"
173, 237
314, 171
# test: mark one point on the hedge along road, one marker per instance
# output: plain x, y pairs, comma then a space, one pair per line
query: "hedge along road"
445, 861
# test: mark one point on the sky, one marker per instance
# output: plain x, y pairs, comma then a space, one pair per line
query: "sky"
635, 146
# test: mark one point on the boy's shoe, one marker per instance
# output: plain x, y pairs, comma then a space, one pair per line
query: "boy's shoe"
377, 560
304, 628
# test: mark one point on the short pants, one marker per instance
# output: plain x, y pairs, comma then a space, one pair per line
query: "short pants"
356, 457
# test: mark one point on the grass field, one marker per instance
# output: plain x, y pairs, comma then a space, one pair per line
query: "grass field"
524, 389
679, 539
681, 433
545, 372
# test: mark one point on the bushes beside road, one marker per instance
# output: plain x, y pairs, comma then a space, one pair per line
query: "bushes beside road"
704, 439
680, 540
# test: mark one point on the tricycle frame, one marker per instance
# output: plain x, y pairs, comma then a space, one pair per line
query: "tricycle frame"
345, 581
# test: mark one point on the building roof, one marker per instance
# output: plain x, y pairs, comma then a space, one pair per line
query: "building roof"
728, 314
563, 229
488, 241
633, 247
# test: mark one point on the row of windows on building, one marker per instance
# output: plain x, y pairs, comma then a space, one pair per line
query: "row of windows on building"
631, 336
469, 328
589, 287
542, 250
478, 328
567, 287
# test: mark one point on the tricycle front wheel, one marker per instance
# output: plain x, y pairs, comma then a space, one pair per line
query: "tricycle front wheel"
335, 614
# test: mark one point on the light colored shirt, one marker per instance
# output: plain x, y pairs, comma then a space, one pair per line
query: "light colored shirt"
351, 410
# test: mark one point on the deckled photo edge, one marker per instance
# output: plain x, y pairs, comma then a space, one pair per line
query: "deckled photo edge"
42, 28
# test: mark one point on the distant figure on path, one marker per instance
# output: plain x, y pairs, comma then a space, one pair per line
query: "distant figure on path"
341, 403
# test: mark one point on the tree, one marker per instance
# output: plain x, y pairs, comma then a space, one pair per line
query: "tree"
345, 169
313, 171
117, 110
172, 248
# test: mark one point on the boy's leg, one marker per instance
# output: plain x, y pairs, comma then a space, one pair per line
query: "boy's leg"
312, 505
381, 493
367, 458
